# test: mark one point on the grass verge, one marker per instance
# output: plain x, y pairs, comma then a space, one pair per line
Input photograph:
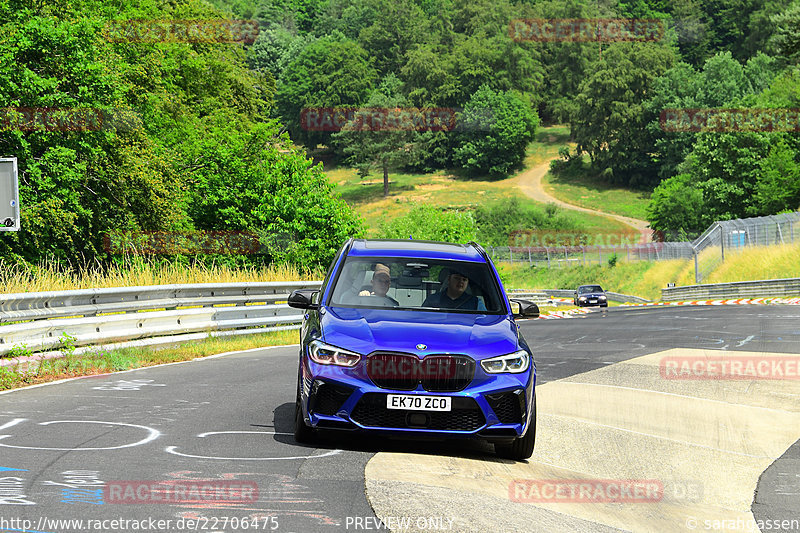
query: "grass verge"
105, 361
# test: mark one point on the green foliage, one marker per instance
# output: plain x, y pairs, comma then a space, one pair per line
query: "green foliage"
19, 350
254, 180
677, 205
181, 122
786, 37
778, 186
67, 343
331, 71
496, 221
388, 149
612, 261
425, 222
611, 118
499, 127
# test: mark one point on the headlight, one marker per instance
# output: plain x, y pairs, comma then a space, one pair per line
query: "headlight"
325, 354
582, 298
602, 297
513, 363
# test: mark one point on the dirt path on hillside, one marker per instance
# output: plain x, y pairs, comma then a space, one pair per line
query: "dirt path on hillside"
530, 183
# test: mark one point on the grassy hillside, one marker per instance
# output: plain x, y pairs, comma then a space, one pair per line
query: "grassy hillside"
445, 190
646, 279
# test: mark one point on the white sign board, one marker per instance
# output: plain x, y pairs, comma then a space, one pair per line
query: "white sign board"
9, 194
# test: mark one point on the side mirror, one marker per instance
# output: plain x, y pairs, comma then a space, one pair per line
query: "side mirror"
303, 299
526, 309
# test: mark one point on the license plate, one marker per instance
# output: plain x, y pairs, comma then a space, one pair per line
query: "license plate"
411, 402
592, 301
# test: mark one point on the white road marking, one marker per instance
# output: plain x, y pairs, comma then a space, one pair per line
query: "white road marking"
748, 339
171, 449
153, 434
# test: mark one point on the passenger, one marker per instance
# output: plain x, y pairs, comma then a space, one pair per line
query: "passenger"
381, 280
454, 296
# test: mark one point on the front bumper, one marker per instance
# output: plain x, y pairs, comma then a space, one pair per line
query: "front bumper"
493, 406
598, 303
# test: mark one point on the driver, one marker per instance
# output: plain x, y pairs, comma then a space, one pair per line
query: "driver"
381, 279
454, 296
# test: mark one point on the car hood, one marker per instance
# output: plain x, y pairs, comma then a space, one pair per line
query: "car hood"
591, 294
367, 330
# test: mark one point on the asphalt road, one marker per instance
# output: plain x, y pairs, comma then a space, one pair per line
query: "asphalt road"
63, 447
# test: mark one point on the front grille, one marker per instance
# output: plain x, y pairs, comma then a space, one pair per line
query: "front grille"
436, 373
465, 415
327, 399
507, 406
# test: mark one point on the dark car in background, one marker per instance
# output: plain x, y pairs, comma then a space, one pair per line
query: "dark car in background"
589, 295
416, 339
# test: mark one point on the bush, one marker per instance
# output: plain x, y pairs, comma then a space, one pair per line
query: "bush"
500, 127
497, 221
425, 222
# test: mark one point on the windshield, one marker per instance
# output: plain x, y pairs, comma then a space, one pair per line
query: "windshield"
589, 288
424, 284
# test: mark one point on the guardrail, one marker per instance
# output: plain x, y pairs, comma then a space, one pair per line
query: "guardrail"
39, 320
739, 289
613, 296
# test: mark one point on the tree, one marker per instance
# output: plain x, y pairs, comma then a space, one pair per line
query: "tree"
778, 186
385, 149
397, 27
611, 118
254, 180
496, 128
332, 71
275, 48
786, 39
676, 206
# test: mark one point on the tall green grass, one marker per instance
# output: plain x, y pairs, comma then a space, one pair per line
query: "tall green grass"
53, 276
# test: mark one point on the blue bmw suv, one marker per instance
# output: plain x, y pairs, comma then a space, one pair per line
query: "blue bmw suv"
416, 339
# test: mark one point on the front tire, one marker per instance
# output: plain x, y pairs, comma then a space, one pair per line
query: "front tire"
522, 447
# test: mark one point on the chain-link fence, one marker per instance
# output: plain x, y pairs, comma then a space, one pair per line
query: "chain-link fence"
564, 256
731, 236
707, 251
